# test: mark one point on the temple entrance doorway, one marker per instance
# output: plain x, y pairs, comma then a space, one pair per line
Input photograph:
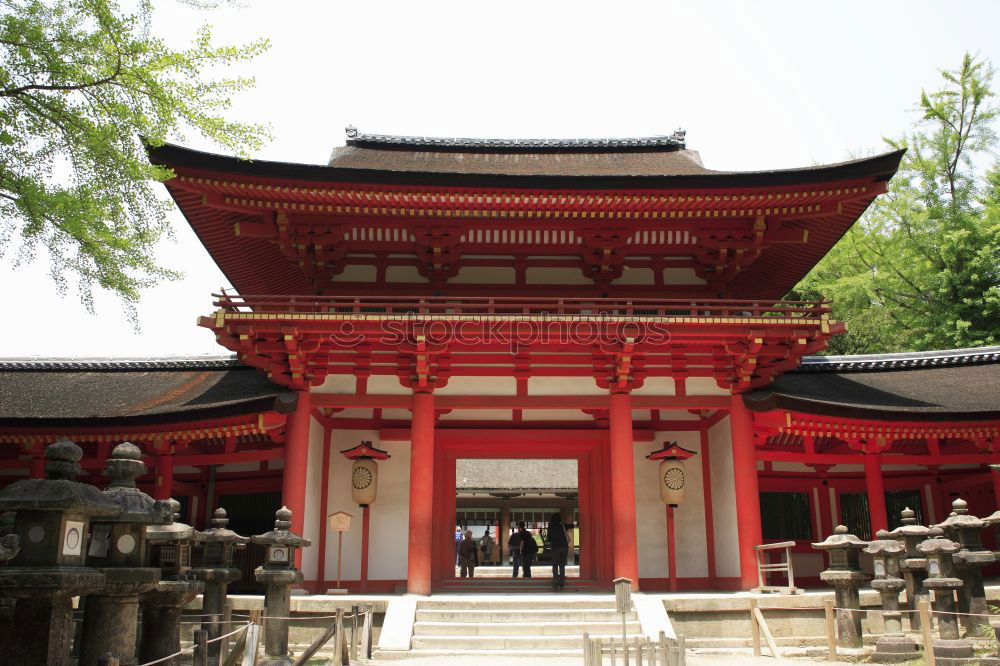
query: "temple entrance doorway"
494, 496
490, 480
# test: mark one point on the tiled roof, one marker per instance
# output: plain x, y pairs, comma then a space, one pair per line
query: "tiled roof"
901, 360
671, 142
117, 363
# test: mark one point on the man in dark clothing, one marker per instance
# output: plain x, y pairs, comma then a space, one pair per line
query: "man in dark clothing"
514, 548
559, 547
529, 547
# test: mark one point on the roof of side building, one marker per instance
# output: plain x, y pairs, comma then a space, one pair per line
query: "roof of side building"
956, 384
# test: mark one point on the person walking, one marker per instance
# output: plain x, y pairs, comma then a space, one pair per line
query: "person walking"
486, 548
559, 549
458, 542
468, 555
514, 549
529, 548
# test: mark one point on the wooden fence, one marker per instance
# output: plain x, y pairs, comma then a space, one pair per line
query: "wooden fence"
640, 651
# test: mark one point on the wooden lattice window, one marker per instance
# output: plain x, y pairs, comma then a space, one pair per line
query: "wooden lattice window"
785, 516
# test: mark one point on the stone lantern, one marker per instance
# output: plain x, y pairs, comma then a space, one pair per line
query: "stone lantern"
216, 571
941, 579
119, 547
913, 564
846, 577
671, 472
364, 471
52, 522
278, 574
893, 646
966, 529
170, 551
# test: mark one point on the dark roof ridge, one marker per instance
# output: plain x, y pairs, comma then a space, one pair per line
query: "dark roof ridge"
901, 360
120, 363
674, 141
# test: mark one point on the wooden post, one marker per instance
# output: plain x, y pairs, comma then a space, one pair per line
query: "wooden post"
366, 634
831, 630
772, 646
586, 650
340, 550
924, 608
354, 633
200, 657
754, 628
253, 637
671, 554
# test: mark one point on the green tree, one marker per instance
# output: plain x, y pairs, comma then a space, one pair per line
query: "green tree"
921, 269
82, 84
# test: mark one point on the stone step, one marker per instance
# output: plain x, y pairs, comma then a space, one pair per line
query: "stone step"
454, 644
529, 614
549, 602
539, 656
570, 628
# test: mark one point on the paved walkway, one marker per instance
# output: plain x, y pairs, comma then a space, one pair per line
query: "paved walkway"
692, 660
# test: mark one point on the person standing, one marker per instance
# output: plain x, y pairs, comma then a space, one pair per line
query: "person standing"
559, 548
486, 548
514, 549
529, 548
468, 555
458, 542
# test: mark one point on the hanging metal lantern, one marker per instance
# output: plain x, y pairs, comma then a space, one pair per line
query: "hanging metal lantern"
671, 472
364, 471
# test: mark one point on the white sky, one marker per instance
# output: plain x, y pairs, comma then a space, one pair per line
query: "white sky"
756, 85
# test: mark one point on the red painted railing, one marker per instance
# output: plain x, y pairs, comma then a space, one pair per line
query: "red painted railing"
519, 305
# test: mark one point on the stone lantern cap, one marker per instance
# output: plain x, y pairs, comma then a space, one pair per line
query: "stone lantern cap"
993, 518
173, 531
909, 528
884, 545
218, 532
124, 466
58, 491
671, 451
281, 535
841, 539
936, 544
960, 519
365, 450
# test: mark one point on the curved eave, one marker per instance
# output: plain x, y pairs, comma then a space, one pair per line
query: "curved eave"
281, 404
880, 167
767, 401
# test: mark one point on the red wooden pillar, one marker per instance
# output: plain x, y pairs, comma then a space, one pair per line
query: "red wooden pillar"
164, 486
419, 562
626, 564
37, 469
876, 493
671, 554
293, 478
995, 478
747, 494
706, 487
365, 524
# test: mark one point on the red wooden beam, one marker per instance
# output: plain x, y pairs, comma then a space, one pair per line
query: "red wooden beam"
521, 402
199, 460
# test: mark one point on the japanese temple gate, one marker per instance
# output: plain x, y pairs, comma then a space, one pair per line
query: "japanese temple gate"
585, 300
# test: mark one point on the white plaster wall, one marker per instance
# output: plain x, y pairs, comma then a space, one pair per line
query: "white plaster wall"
357, 273
338, 384
479, 386
689, 517
556, 415
704, 386
478, 415
386, 385
313, 510
407, 274
538, 275
635, 276
657, 386
681, 276
564, 386
484, 275
727, 558
389, 514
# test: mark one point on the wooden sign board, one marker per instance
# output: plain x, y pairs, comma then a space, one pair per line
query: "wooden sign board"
340, 521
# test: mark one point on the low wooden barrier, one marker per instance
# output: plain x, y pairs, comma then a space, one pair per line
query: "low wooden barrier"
641, 651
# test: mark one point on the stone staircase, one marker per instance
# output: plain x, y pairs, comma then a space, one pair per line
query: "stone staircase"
514, 626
